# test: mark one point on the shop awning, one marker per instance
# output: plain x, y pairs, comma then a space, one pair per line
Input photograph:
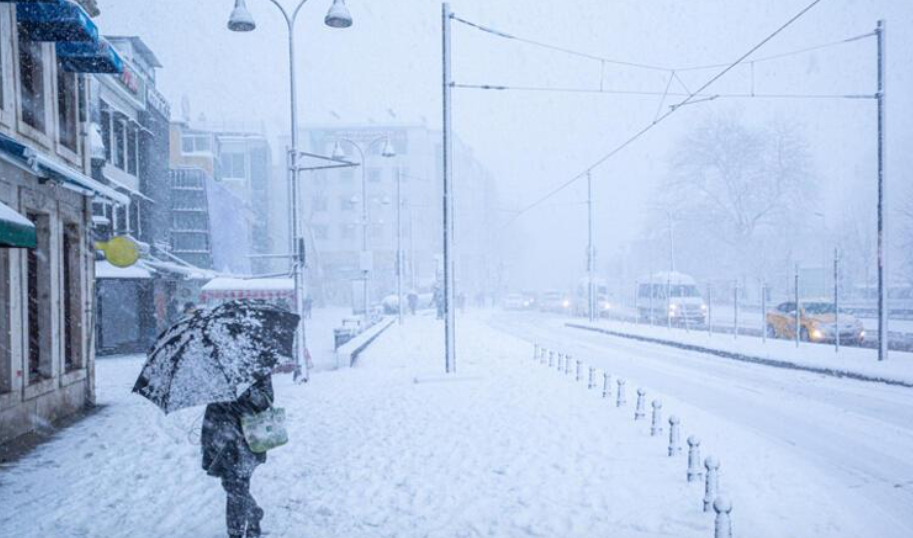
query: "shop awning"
89, 57
55, 20
44, 167
16, 231
104, 270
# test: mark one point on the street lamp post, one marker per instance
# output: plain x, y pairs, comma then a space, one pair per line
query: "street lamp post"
339, 154
242, 21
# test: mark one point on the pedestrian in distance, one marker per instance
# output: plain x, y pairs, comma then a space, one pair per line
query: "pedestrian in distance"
413, 302
226, 455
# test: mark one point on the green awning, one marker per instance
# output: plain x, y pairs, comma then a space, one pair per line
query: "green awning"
15, 230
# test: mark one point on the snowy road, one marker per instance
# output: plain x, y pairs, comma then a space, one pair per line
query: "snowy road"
857, 436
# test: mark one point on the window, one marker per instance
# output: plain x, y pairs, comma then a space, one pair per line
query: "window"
375, 175
234, 166
321, 232
67, 108
72, 298
38, 293
120, 156
347, 231
106, 129
31, 82
377, 231
195, 144
346, 203
132, 149
346, 175
6, 367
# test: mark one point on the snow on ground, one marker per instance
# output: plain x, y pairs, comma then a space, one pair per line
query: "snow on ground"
393, 448
899, 365
505, 449
805, 454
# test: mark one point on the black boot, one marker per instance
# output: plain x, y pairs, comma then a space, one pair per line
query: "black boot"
253, 525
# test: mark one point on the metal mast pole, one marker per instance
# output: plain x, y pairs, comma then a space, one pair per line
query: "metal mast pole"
590, 249
836, 304
364, 227
299, 261
447, 141
882, 197
399, 245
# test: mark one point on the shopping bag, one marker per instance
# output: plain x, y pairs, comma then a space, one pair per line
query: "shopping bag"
265, 431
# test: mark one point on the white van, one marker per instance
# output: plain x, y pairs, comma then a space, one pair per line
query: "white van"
670, 297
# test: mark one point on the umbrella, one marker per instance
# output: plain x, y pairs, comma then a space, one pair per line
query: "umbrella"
215, 355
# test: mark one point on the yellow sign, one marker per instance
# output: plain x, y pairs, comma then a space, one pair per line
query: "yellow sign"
120, 251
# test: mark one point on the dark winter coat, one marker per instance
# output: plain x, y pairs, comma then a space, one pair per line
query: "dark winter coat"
225, 451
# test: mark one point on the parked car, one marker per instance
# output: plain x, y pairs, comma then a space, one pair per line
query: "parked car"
671, 297
555, 301
818, 322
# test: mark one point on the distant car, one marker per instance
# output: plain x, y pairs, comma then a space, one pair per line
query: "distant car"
818, 322
555, 301
513, 301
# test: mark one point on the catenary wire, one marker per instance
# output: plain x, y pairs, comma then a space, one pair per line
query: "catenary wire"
666, 115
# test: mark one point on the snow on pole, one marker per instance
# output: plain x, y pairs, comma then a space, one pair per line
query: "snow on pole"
606, 384
657, 427
723, 525
620, 400
712, 483
694, 459
675, 443
591, 382
639, 411
577, 377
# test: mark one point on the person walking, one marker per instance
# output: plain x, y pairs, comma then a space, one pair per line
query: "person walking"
226, 455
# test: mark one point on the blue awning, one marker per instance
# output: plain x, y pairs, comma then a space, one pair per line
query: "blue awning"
89, 57
46, 168
57, 20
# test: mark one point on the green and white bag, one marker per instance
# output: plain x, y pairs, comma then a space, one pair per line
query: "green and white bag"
265, 431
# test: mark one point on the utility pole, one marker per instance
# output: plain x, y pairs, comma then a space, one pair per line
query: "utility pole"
447, 151
399, 245
836, 304
882, 198
590, 249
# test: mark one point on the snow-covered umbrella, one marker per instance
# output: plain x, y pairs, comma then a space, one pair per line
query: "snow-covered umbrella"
215, 355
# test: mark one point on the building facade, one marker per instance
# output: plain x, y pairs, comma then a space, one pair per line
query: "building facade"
332, 209
46, 287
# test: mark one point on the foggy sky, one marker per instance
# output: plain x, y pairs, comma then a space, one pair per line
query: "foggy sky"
390, 60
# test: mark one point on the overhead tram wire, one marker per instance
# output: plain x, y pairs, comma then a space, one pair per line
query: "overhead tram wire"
666, 115
649, 93
556, 48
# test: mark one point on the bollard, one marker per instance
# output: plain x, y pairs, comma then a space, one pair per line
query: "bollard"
694, 459
606, 384
551, 358
542, 355
657, 427
620, 399
591, 382
712, 483
639, 412
535, 351
567, 365
561, 359
675, 444
723, 524
577, 377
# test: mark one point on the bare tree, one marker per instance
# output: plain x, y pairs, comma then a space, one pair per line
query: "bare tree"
739, 185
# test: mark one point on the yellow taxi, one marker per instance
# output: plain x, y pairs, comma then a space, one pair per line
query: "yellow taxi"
818, 322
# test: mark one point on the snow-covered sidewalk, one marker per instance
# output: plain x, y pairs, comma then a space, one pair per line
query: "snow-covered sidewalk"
504, 449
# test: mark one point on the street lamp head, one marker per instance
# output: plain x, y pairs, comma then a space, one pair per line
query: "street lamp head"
338, 16
338, 154
241, 19
389, 150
